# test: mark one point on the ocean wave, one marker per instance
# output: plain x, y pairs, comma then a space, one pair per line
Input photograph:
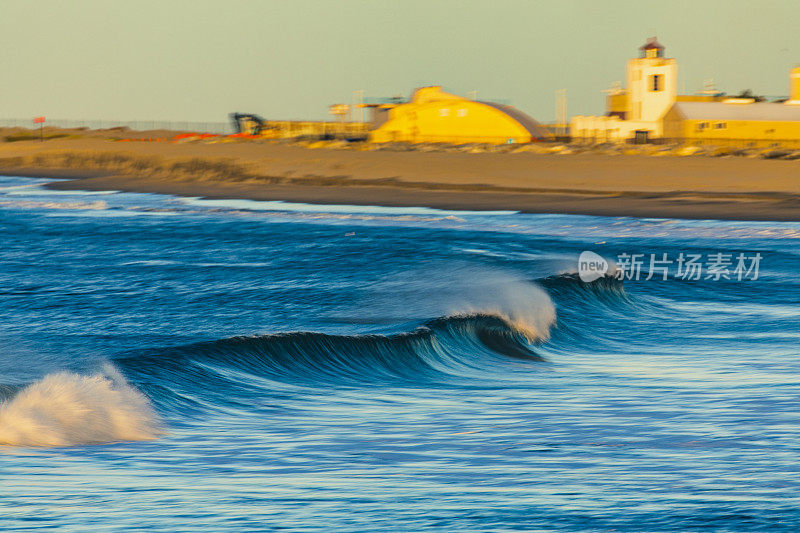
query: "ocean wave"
68, 409
465, 345
604, 288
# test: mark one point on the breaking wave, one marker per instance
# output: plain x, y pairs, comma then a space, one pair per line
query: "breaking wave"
68, 409
461, 345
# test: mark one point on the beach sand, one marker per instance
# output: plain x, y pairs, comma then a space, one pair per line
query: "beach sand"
694, 187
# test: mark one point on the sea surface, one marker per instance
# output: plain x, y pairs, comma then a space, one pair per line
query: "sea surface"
180, 364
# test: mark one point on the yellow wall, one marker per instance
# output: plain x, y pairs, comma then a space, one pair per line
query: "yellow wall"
618, 103
609, 129
673, 125
794, 84
279, 129
434, 116
741, 133
699, 98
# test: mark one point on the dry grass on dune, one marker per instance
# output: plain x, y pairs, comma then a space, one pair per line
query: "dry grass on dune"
677, 187
208, 170
140, 165
258, 166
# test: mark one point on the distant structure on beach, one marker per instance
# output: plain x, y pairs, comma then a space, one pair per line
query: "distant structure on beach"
650, 108
742, 122
435, 116
634, 112
430, 116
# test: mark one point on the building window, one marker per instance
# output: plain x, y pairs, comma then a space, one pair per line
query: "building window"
657, 82
462, 112
702, 126
720, 125
652, 53
444, 112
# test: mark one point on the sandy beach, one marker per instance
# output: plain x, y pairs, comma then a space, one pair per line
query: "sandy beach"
693, 187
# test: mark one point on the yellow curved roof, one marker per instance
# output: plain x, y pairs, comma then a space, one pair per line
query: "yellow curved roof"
433, 115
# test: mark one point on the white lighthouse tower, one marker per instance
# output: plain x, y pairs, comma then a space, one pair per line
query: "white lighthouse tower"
635, 112
652, 83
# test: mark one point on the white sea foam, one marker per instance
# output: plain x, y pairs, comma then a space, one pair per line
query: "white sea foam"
38, 190
279, 205
67, 409
29, 204
524, 305
458, 289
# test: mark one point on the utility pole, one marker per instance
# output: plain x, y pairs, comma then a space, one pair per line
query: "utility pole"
561, 111
358, 102
472, 95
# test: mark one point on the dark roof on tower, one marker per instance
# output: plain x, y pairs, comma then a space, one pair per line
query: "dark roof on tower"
651, 43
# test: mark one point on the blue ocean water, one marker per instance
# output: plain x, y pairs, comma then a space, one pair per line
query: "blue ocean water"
182, 364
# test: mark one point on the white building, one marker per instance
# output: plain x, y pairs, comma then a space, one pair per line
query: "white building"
637, 111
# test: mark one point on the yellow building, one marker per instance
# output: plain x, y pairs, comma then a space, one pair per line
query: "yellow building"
794, 87
740, 122
434, 116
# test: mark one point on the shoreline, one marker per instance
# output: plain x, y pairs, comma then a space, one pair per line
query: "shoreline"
681, 205
578, 184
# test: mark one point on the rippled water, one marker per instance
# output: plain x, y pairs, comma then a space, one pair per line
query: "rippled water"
185, 364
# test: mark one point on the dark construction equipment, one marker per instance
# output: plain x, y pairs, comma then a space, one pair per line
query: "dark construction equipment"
247, 123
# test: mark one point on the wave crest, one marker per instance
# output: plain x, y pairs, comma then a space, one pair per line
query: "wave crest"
68, 409
467, 345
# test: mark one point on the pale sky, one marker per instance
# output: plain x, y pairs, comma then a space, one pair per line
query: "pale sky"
198, 60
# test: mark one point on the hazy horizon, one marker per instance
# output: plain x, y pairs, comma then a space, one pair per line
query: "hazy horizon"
199, 61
